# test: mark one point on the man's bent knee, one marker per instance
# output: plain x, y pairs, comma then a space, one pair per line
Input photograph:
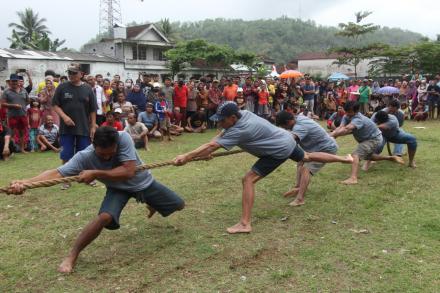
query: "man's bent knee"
105, 219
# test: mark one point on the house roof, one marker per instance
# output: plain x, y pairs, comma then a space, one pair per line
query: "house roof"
63, 56
317, 55
134, 31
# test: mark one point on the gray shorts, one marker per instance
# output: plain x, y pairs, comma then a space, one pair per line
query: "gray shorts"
367, 148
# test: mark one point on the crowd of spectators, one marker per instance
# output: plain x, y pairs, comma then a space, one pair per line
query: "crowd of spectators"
61, 113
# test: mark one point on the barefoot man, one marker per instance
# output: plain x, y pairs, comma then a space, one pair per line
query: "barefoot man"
312, 138
271, 144
389, 126
366, 133
111, 159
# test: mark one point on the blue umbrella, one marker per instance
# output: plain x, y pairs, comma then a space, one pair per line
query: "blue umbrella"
338, 76
388, 90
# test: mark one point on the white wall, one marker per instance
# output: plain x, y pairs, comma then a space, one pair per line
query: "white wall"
325, 67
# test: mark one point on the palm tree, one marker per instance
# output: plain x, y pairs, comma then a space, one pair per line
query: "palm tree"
29, 26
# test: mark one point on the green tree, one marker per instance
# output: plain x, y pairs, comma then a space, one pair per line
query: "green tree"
166, 28
29, 25
354, 54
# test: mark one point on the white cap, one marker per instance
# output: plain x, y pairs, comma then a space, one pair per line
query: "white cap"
239, 90
156, 84
118, 110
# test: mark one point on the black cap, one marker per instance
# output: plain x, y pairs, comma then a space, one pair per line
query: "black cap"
227, 109
14, 76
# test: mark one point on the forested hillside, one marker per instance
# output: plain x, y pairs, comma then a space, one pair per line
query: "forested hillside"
282, 38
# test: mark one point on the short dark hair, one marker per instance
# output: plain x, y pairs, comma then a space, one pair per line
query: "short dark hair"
351, 105
382, 117
49, 72
283, 117
395, 103
105, 137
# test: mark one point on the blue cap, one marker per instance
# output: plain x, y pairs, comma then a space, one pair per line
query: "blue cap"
14, 77
225, 110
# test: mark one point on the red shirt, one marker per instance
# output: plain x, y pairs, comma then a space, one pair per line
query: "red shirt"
180, 96
34, 115
230, 92
116, 125
263, 98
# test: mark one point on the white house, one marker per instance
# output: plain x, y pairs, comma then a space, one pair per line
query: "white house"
323, 64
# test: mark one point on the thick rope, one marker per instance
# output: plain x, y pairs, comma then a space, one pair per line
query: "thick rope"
51, 182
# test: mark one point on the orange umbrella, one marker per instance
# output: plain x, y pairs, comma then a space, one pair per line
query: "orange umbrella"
291, 74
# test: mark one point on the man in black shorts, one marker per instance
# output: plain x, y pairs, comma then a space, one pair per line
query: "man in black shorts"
111, 159
257, 136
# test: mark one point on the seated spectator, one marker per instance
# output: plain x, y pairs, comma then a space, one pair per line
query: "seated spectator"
124, 105
137, 98
335, 119
197, 122
6, 145
137, 131
420, 112
150, 120
48, 135
161, 108
176, 122
111, 121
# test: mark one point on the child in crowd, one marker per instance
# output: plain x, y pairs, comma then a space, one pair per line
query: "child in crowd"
111, 121
263, 100
35, 117
240, 99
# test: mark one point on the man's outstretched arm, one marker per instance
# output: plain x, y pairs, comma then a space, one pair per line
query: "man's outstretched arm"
202, 151
17, 186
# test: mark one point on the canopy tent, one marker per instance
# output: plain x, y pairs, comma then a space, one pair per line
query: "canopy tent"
337, 76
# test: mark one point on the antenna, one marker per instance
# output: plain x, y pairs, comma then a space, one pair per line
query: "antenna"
109, 15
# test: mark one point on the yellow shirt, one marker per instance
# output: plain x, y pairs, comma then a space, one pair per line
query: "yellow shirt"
42, 85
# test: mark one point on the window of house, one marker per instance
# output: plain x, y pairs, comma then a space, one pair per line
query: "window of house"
139, 52
158, 55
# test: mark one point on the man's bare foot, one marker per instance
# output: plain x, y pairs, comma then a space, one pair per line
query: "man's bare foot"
43, 148
412, 165
151, 211
170, 138
350, 181
297, 202
57, 150
24, 152
366, 166
239, 228
66, 267
293, 192
398, 160
348, 159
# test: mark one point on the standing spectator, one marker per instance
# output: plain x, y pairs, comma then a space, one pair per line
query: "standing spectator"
42, 84
181, 97
75, 103
125, 106
99, 80
434, 98
309, 94
168, 90
214, 95
263, 100
48, 135
15, 99
364, 97
230, 91
35, 117
101, 100
422, 92
352, 90
128, 86
30, 85
137, 131
249, 95
6, 144
161, 108
146, 86
191, 105
45, 97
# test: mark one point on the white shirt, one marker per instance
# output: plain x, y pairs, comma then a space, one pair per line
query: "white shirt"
100, 98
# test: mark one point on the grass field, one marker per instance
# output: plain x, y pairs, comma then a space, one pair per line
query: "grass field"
314, 248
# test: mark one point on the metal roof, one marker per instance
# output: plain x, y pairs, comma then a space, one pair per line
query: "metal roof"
63, 56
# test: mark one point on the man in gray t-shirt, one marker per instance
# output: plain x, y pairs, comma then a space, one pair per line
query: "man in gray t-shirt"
255, 135
112, 159
312, 138
368, 136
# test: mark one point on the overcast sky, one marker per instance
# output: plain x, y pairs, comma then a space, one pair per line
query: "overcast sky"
78, 21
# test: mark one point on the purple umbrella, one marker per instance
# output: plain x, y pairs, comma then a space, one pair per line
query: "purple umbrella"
388, 90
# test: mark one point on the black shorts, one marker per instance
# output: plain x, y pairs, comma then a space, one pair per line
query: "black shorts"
161, 198
266, 165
